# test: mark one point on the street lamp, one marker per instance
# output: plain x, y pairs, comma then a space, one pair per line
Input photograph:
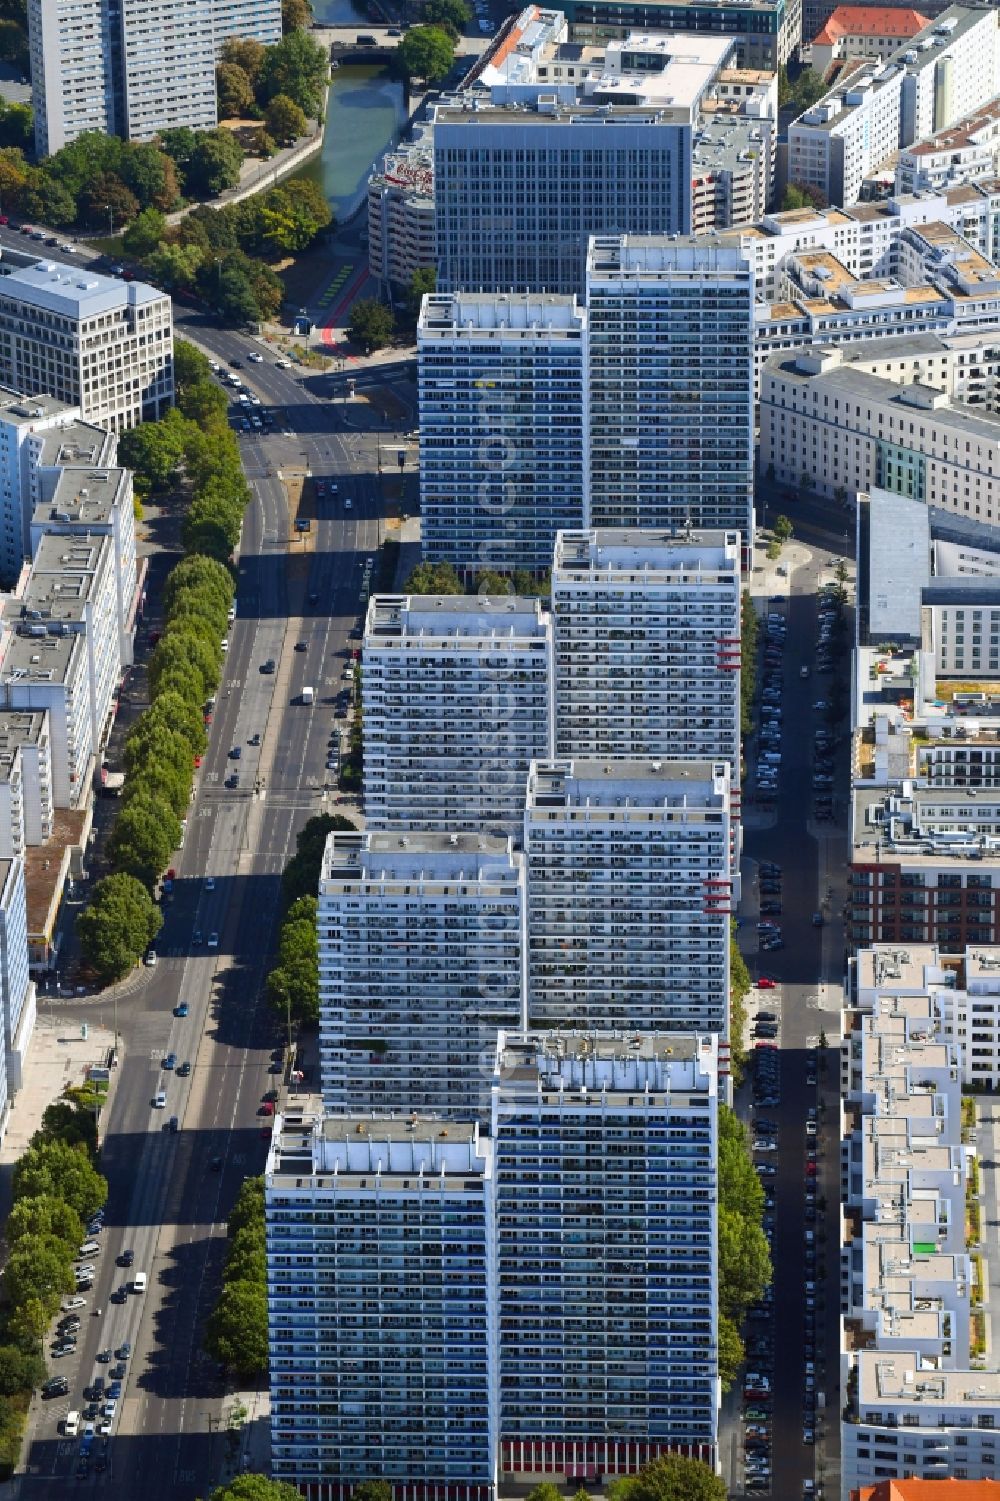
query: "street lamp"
111, 218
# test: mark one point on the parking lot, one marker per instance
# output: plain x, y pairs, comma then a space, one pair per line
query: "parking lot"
778, 1439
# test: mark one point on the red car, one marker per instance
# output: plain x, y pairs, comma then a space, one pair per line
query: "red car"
765, 984
266, 1108
197, 762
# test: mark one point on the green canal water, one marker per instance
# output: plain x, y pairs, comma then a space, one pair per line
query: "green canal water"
365, 114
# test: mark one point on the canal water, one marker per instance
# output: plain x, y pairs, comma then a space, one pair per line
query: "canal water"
365, 113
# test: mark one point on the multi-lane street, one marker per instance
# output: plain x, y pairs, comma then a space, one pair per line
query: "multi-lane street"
170, 1192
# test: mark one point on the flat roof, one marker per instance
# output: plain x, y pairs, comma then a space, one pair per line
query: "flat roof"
76, 442
503, 313
72, 293
18, 727
645, 552
454, 619
83, 497
23, 411
622, 782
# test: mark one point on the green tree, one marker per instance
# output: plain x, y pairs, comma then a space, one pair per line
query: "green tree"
13, 175
45, 1214
450, 15
371, 324
490, 582
174, 713
434, 578
671, 1478
20, 1370
739, 1186
782, 528
236, 1334
295, 15
285, 120
40, 1266
422, 283
235, 92
248, 1210
48, 201
301, 874
175, 267
215, 164
28, 1323
255, 1488
145, 233
246, 53
744, 1262
153, 451
293, 985
64, 1121
144, 836
544, 1492
150, 741
13, 43
731, 1351
183, 650
202, 574
151, 175
106, 203
425, 52
117, 927
211, 529
291, 217
17, 127
297, 67
241, 290
157, 780
246, 1257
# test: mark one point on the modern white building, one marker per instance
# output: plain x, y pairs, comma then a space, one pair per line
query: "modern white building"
88, 503
17, 991
25, 423
503, 427
457, 704
401, 234
671, 385
382, 1325
96, 343
647, 645
629, 894
166, 54
526, 168
935, 78
847, 431
921, 1387
27, 811
968, 151
865, 237
606, 1195
420, 961
69, 43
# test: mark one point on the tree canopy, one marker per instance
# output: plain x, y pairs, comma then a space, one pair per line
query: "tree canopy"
255, 1488
51, 1168
293, 985
449, 15
434, 578
671, 1478
371, 323
298, 68
426, 52
301, 874
118, 925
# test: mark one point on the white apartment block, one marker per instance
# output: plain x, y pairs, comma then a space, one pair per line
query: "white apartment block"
93, 342
920, 1400
503, 427
647, 645
968, 151
420, 961
532, 134
844, 431
91, 503
671, 385
73, 588
864, 238
167, 53
936, 78
69, 44
382, 1326
24, 424
606, 1196
965, 366
457, 704
27, 810
629, 894
259, 19
17, 991
51, 674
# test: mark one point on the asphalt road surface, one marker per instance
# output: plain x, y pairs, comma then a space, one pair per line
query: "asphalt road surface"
166, 1202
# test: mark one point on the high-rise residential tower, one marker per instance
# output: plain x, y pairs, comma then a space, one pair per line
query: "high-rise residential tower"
457, 704
381, 1268
670, 330
647, 644
133, 67
606, 1196
420, 961
629, 894
503, 427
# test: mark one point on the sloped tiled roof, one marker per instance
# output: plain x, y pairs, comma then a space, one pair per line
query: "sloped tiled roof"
871, 20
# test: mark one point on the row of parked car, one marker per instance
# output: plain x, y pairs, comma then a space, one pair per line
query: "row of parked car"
769, 728
823, 738
759, 1338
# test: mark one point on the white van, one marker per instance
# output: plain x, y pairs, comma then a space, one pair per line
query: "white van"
139, 1282
71, 1427
89, 1248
